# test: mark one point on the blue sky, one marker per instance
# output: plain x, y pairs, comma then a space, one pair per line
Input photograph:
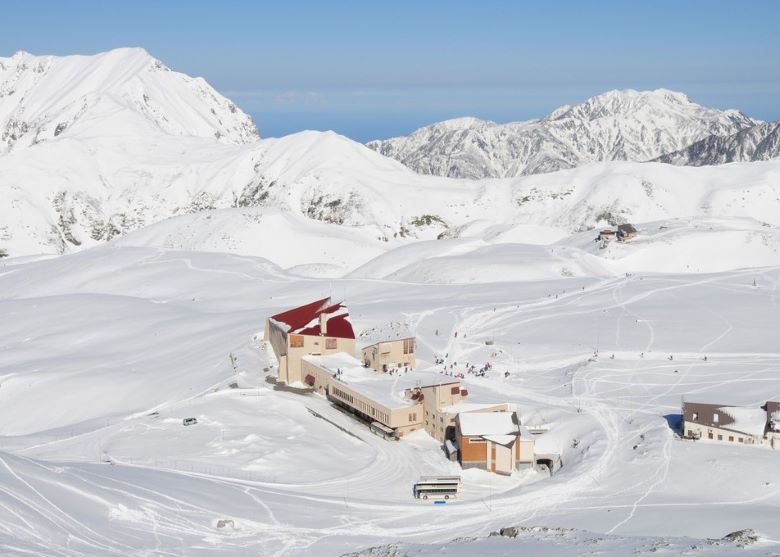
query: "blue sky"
377, 69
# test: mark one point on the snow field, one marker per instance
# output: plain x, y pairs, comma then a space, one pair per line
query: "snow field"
105, 361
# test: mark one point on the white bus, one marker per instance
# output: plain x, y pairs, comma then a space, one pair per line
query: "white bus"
437, 487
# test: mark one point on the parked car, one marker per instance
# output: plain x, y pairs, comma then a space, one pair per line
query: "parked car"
189, 421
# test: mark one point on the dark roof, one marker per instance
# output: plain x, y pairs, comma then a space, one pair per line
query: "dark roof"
305, 320
627, 228
704, 414
773, 415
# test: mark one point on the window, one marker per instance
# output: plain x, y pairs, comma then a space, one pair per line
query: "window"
720, 438
330, 343
455, 390
690, 433
413, 417
342, 395
741, 440
296, 341
408, 346
709, 435
731, 438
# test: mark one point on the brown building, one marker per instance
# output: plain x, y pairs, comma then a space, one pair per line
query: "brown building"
606, 235
773, 423
626, 232
494, 441
317, 328
389, 354
716, 422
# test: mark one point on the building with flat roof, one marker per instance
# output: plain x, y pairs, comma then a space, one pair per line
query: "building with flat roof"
389, 354
494, 441
403, 401
317, 328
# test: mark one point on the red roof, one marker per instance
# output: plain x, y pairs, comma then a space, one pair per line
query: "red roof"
305, 320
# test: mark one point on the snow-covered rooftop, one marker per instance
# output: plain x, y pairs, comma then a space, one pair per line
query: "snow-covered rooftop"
748, 420
469, 407
384, 388
487, 423
501, 439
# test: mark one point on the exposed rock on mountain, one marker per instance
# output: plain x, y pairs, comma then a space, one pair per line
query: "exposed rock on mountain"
617, 125
759, 143
71, 179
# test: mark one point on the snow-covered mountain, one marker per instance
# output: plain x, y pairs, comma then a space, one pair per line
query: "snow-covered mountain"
121, 92
118, 168
105, 352
617, 125
759, 143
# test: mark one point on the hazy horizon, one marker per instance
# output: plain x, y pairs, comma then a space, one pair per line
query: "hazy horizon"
374, 71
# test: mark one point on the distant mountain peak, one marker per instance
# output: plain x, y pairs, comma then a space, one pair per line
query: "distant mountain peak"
127, 89
616, 125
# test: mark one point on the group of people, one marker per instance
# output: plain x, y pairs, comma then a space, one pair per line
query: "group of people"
451, 370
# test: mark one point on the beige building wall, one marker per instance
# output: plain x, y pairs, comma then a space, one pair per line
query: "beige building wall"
312, 346
435, 398
708, 433
526, 451
438, 397
390, 354
403, 419
290, 348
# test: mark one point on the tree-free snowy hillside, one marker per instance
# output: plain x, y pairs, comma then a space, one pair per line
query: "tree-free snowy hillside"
122, 92
120, 166
104, 352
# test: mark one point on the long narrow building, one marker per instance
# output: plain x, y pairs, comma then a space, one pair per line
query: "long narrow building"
400, 401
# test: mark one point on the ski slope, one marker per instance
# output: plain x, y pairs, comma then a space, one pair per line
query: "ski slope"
101, 364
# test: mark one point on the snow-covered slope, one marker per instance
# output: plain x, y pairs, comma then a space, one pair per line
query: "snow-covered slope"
122, 92
118, 168
567, 542
686, 245
290, 240
617, 125
104, 352
759, 143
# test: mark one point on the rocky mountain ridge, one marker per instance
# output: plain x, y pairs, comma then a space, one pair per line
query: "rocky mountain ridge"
758, 143
623, 125
120, 166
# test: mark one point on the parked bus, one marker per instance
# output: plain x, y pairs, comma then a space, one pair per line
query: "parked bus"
437, 487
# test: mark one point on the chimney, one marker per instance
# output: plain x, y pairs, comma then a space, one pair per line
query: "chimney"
324, 323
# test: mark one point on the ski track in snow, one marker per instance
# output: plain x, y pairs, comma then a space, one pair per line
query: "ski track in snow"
606, 392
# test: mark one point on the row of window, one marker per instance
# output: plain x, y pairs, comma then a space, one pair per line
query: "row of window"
413, 417
408, 346
711, 435
366, 409
296, 341
342, 395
